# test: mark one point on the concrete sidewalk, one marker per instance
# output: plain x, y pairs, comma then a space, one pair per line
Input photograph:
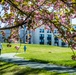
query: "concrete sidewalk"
10, 57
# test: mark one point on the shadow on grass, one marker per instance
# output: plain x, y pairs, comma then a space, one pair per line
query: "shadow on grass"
7, 69
38, 60
29, 71
67, 63
4, 66
36, 71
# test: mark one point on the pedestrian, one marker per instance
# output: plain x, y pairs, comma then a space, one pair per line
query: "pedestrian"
24, 48
0, 48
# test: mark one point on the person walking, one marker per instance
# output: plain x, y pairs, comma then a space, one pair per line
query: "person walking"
0, 48
24, 48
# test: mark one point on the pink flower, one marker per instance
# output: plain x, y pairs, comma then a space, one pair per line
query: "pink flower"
19, 0
74, 46
17, 47
51, 16
74, 36
47, 27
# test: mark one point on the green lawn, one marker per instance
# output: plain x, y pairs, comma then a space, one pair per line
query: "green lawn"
38, 53
44, 53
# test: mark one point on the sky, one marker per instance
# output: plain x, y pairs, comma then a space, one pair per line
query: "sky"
73, 21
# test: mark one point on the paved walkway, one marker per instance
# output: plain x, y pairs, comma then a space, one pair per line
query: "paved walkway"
10, 57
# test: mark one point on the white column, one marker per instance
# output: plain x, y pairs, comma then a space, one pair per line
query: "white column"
31, 38
60, 42
36, 36
45, 36
52, 39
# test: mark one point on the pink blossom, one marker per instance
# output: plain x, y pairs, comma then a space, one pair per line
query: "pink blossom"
51, 16
40, 0
31, 9
47, 27
37, 12
73, 16
74, 46
37, 17
19, 0
52, 26
17, 47
74, 36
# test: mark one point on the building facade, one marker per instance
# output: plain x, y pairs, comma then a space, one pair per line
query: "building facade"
38, 36
45, 36
41, 36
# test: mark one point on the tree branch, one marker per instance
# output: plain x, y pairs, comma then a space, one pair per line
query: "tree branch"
4, 28
69, 4
24, 22
15, 6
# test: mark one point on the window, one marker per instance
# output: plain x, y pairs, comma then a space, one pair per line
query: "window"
48, 31
49, 42
49, 39
41, 38
42, 41
63, 44
56, 41
55, 31
41, 30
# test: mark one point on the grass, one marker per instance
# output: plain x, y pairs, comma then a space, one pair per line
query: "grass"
11, 69
49, 54
44, 53
37, 53
10, 49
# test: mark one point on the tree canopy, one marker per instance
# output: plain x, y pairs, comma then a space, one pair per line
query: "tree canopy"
35, 13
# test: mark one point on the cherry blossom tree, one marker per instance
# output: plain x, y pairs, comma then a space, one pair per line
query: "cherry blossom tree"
34, 13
